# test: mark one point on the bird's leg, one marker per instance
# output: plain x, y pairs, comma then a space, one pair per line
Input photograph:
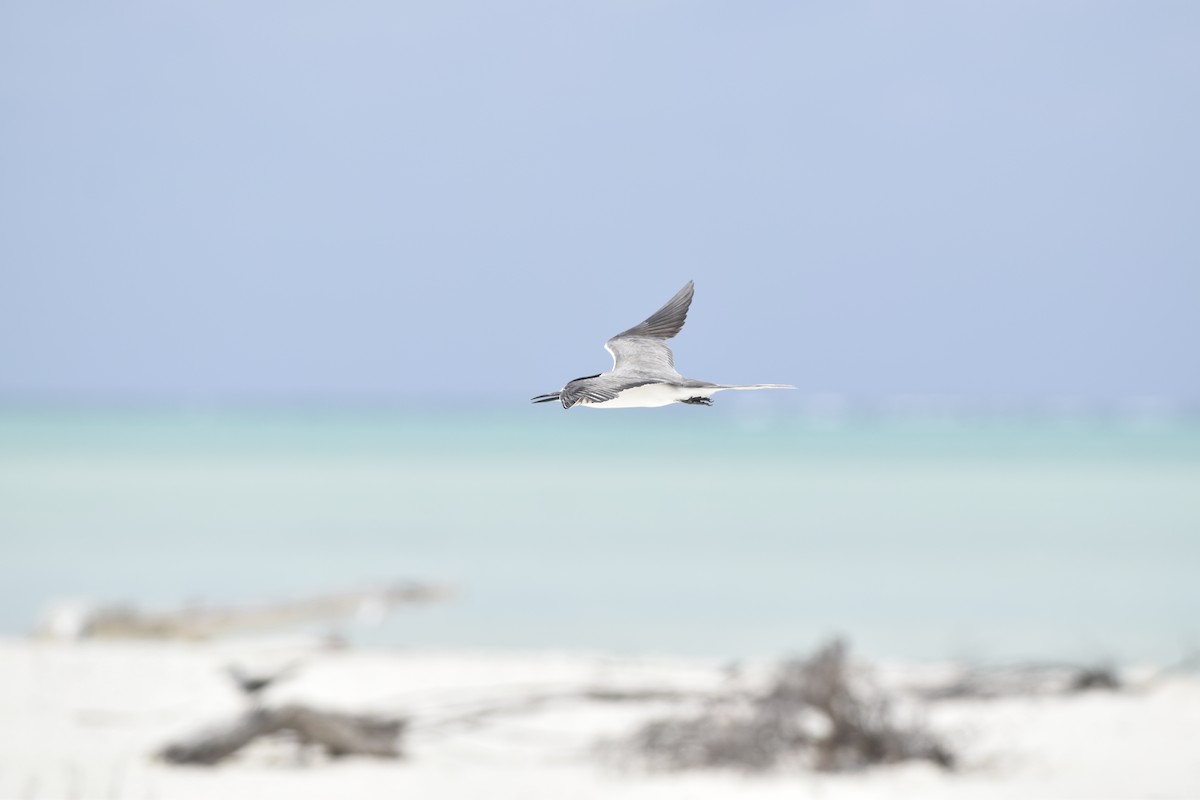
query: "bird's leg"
698, 401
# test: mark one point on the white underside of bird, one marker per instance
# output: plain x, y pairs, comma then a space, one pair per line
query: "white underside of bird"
655, 395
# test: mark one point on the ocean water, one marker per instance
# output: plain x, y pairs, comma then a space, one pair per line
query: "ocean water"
693, 531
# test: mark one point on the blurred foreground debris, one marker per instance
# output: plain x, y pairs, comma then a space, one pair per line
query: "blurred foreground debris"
73, 621
817, 713
252, 685
1020, 680
338, 734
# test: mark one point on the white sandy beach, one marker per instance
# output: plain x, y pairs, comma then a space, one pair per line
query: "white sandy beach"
83, 721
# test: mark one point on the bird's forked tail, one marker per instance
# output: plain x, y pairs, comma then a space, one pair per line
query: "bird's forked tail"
760, 386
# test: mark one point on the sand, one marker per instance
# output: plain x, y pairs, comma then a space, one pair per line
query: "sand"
84, 720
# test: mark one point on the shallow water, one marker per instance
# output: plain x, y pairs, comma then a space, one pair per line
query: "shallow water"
697, 531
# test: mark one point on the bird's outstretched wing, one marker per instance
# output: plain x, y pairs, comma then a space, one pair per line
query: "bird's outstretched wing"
642, 349
598, 389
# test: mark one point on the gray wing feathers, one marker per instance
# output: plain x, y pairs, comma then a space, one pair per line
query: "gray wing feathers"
642, 349
667, 321
637, 355
597, 390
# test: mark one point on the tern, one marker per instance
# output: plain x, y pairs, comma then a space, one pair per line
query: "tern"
643, 373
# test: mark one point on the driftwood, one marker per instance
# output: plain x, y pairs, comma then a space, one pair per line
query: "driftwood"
815, 714
205, 622
1020, 680
339, 735
483, 712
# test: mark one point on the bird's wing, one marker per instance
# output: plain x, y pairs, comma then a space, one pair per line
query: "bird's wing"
639, 355
598, 389
642, 348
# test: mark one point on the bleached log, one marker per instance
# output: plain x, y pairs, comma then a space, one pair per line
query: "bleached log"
339, 734
205, 622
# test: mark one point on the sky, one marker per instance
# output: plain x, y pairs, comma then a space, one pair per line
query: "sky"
215, 201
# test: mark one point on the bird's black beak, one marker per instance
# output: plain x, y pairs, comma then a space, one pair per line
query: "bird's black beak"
546, 398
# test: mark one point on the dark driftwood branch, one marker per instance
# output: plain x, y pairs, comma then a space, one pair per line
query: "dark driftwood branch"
339, 734
816, 712
1022, 680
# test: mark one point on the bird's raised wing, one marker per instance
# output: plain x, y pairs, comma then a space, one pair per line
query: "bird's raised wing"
642, 349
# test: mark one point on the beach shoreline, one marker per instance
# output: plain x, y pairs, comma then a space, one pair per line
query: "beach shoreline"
85, 720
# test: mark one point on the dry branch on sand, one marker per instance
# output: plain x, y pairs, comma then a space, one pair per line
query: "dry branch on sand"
820, 713
1020, 680
338, 734
815, 714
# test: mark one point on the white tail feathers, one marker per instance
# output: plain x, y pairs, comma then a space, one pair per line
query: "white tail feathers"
761, 386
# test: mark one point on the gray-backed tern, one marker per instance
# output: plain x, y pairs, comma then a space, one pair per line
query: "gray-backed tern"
643, 373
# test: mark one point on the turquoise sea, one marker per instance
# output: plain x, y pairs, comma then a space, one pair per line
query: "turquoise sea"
694, 531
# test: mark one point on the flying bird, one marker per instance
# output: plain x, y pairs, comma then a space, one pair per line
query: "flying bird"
643, 373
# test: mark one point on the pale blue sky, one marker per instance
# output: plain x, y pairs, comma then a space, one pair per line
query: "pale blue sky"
210, 200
